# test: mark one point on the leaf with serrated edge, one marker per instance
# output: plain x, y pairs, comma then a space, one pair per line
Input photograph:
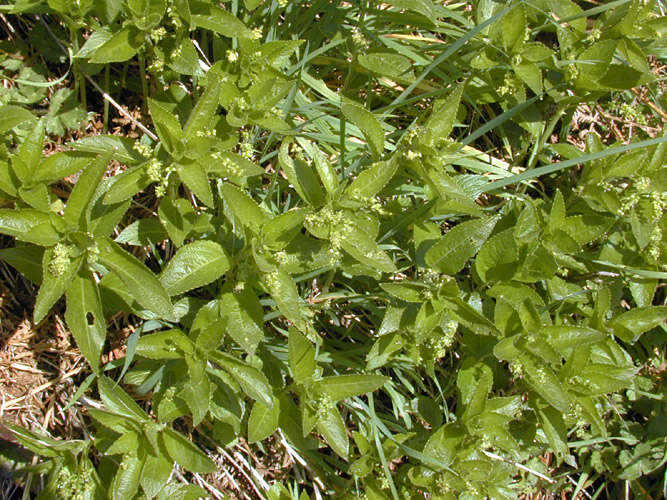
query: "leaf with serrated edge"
301, 357
53, 286
141, 283
452, 251
85, 318
263, 421
340, 387
368, 124
331, 426
371, 181
195, 264
186, 454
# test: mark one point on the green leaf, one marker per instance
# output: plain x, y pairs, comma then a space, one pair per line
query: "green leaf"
140, 282
122, 148
143, 232
368, 124
514, 27
535, 52
330, 424
325, 170
362, 247
471, 318
118, 401
630, 325
76, 210
498, 259
60, 165
595, 379
42, 445
267, 92
197, 392
167, 126
443, 116
127, 184
394, 66
284, 292
176, 216
156, 473
253, 382
9, 183
26, 259
195, 264
567, 9
30, 153
85, 318
37, 197
56, 279
587, 228
125, 483
423, 7
474, 384
211, 17
185, 60
341, 387
570, 337
95, 41
186, 454
201, 117
302, 176
168, 344
244, 208
444, 443
301, 357
11, 116
263, 421
541, 378
242, 319
531, 75
371, 180
453, 250
103, 218
282, 229
122, 46
252, 4
404, 290
31, 226
555, 430
231, 165
382, 350
194, 176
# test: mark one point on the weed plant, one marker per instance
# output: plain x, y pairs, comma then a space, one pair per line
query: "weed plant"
366, 234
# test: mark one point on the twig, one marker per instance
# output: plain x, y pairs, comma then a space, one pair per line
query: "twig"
588, 495
253, 471
519, 466
205, 64
651, 105
5, 405
106, 96
240, 469
209, 487
120, 109
297, 458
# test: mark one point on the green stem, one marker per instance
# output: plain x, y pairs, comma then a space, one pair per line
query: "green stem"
144, 83
342, 146
106, 103
546, 133
79, 81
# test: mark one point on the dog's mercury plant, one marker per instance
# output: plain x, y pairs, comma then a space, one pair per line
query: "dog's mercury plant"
364, 234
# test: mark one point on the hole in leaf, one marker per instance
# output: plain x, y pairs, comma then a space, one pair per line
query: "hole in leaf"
90, 318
